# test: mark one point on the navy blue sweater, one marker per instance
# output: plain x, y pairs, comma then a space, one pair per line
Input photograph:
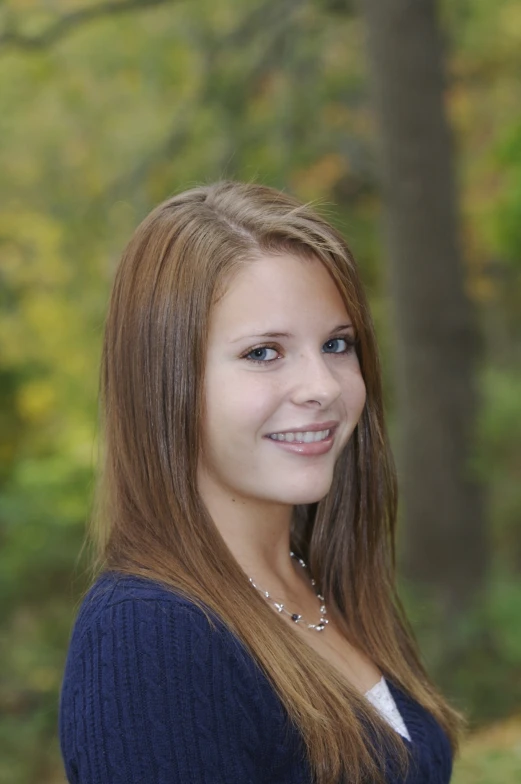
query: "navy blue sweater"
153, 695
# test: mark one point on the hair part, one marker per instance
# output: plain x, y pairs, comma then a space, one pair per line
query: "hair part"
149, 519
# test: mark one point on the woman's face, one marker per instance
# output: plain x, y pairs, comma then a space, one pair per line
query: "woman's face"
281, 372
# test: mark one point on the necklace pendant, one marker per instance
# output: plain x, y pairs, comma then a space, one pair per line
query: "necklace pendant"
296, 617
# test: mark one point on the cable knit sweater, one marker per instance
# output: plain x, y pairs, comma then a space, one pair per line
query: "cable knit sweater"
153, 695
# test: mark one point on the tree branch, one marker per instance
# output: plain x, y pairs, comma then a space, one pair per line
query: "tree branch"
275, 15
69, 22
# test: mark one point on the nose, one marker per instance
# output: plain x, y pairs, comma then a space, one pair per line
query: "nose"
315, 382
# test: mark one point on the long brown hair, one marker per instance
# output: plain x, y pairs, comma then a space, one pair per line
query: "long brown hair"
150, 520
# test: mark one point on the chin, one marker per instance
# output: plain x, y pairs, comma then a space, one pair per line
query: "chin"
307, 495
309, 499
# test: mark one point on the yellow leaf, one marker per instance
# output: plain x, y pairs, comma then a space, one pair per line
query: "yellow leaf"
36, 400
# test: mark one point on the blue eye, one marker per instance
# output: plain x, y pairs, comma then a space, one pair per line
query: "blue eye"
259, 354
332, 346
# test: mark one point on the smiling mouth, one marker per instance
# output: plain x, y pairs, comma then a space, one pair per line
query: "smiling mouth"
307, 437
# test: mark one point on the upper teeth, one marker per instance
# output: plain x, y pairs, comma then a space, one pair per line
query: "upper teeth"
307, 437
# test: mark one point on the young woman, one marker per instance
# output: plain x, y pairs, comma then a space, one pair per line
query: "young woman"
244, 628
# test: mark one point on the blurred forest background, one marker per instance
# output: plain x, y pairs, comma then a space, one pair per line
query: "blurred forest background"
108, 107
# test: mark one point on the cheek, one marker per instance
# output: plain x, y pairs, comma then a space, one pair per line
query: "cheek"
355, 394
362, 394
238, 406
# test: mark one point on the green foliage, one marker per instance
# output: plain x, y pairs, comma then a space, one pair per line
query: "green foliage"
476, 660
491, 756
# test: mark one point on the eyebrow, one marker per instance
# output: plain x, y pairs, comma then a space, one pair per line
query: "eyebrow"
285, 334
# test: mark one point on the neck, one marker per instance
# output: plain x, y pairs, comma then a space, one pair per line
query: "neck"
257, 535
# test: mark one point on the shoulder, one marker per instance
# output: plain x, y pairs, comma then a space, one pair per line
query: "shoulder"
114, 593
152, 681
112, 589
135, 616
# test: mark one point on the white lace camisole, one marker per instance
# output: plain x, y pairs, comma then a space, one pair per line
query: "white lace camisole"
382, 699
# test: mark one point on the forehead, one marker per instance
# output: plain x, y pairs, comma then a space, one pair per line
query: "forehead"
279, 286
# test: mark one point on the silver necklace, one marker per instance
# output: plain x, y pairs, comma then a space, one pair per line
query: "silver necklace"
318, 627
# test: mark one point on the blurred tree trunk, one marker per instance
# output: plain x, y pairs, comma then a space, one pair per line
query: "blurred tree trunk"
437, 345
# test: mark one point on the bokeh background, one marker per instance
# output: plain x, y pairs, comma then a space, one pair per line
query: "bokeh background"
109, 106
